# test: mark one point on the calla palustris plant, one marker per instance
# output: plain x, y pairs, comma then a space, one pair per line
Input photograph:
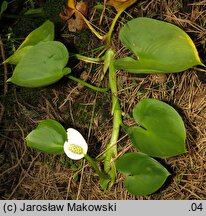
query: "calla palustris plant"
158, 47
51, 137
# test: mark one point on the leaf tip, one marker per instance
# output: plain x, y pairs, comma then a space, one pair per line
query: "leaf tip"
66, 71
9, 80
5, 61
202, 64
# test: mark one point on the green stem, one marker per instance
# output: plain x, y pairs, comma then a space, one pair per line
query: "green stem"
111, 152
87, 59
116, 110
109, 34
91, 161
95, 88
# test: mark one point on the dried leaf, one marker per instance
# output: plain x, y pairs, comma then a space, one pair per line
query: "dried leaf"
80, 9
66, 14
120, 5
71, 4
79, 21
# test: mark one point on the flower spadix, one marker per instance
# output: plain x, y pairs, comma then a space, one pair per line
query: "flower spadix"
75, 147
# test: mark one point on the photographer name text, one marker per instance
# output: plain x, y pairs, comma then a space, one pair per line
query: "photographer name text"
71, 207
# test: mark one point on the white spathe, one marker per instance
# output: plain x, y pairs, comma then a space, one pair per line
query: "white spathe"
75, 144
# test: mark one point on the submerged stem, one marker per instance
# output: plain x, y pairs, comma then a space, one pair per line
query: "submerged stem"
95, 88
94, 165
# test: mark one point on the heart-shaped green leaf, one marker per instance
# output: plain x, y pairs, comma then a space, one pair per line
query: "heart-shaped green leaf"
48, 137
41, 34
159, 47
161, 132
144, 175
42, 65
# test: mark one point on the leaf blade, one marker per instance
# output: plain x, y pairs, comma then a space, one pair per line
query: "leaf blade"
16, 57
43, 33
49, 137
158, 46
161, 132
4, 6
144, 175
42, 65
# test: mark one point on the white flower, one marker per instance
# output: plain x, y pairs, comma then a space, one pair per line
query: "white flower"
75, 147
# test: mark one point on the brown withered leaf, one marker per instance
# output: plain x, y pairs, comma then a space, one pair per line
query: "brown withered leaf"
71, 14
120, 5
69, 10
71, 4
78, 20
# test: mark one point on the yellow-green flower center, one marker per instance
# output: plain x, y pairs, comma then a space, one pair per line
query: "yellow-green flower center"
75, 149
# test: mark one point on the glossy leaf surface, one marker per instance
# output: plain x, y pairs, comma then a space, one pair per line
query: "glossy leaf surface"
161, 132
159, 47
42, 65
144, 175
41, 34
48, 137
